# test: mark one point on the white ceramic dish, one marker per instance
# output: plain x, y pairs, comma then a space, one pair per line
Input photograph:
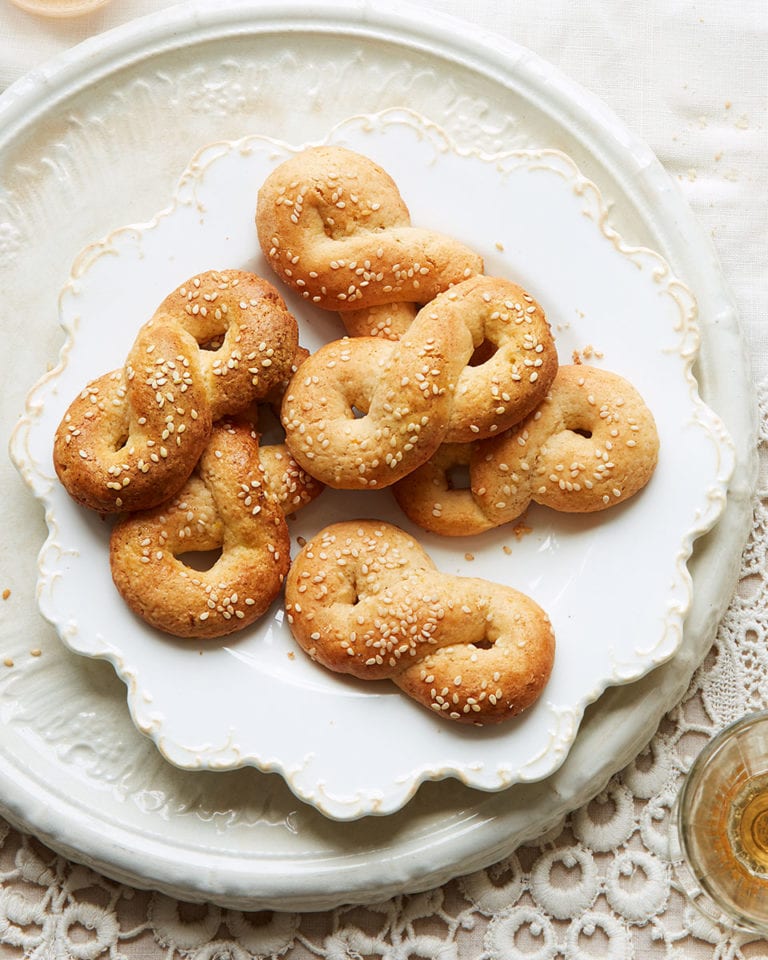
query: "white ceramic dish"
106, 131
535, 219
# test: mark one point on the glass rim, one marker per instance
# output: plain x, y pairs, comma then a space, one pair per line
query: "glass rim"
709, 750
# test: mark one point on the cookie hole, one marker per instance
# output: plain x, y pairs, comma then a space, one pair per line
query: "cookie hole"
215, 343
200, 560
354, 593
270, 428
484, 644
483, 353
458, 477
583, 432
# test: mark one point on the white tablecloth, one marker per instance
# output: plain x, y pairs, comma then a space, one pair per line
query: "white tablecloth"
691, 79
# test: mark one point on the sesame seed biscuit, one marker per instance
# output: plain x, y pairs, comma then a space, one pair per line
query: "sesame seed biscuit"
514, 356
230, 502
131, 438
360, 413
250, 339
362, 598
333, 226
363, 412
591, 444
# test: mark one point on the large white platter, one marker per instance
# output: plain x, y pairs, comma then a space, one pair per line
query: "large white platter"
614, 584
100, 138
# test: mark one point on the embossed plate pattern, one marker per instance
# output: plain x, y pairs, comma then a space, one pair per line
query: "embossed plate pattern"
130, 109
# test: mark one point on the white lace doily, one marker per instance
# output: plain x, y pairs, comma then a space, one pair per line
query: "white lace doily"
598, 887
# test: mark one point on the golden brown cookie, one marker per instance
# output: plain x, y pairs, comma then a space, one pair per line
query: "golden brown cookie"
591, 444
132, 437
513, 361
232, 503
364, 412
362, 598
333, 226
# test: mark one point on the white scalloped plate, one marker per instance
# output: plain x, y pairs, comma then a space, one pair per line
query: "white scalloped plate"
615, 584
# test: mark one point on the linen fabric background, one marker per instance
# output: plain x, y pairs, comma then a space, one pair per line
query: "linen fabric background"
691, 79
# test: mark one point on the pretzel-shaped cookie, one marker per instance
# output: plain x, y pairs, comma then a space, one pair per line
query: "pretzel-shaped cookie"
235, 500
362, 598
421, 390
591, 444
333, 226
133, 436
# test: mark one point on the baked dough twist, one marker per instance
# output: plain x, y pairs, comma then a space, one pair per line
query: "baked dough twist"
591, 444
333, 226
422, 390
363, 598
133, 436
235, 500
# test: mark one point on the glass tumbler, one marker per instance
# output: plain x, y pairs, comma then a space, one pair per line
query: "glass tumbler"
720, 827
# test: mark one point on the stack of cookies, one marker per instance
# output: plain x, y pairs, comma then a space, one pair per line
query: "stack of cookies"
441, 368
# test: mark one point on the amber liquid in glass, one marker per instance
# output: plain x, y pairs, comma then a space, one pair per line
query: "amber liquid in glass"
748, 828
728, 839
